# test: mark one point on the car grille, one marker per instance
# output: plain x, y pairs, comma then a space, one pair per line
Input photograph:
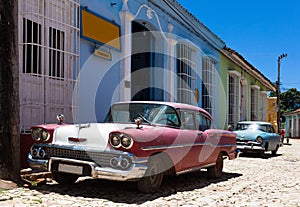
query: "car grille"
241, 141
247, 142
102, 159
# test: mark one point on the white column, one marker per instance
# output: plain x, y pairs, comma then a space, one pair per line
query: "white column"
125, 64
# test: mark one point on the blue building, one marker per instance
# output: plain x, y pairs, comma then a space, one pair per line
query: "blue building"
78, 57
164, 53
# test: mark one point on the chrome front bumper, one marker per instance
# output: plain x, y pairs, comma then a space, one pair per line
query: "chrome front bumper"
250, 146
134, 172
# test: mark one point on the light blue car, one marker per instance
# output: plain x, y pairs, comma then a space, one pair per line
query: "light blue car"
254, 136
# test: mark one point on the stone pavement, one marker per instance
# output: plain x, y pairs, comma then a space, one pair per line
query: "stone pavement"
247, 181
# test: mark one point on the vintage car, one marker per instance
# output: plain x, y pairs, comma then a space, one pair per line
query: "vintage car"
254, 136
138, 141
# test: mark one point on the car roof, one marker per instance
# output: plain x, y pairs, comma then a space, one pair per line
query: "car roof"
255, 122
172, 104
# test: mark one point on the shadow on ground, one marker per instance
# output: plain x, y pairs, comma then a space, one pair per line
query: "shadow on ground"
127, 192
266, 155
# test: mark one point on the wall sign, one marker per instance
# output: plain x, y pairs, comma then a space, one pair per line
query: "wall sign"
99, 30
103, 54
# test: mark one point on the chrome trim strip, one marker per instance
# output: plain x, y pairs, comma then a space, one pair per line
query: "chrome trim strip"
163, 147
194, 169
82, 148
250, 147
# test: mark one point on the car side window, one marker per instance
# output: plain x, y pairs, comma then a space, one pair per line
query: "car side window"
187, 120
165, 116
203, 123
270, 129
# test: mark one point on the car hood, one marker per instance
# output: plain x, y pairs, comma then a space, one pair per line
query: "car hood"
247, 134
91, 135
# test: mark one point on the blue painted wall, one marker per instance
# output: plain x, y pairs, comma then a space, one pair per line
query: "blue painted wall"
99, 78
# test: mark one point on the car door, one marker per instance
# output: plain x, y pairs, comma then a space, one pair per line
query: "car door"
205, 155
193, 139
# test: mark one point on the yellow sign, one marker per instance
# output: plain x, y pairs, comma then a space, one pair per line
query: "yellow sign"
103, 54
97, 29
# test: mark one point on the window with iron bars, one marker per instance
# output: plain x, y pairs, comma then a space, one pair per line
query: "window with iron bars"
233, 99
31, 47
49, 60
186, 77
254, 104
209, 85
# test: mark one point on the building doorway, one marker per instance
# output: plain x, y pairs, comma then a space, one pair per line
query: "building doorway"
146, 65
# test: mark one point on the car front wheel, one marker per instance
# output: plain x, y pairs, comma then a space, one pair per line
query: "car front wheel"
153, 177
216, 170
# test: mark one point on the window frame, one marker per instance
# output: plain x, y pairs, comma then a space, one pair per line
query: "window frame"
233, 97
186, 76
254, 103
182, 113
208, 124
209, 82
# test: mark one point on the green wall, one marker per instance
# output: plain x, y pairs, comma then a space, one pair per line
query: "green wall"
225, 65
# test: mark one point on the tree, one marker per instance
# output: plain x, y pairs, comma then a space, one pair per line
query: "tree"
9, 92
289, 100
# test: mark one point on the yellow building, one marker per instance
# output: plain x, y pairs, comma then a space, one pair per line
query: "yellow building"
272, 111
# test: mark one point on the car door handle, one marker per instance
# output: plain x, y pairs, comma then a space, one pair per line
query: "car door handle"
200, 134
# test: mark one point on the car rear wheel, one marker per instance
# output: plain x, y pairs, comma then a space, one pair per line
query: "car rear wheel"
153, 177
216, 170
64, 178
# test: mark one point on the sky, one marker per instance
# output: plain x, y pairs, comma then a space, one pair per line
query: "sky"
260, 30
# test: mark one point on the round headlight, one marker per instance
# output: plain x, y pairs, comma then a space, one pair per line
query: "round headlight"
125, 163
126, 141
115, 140
114, 162
35, 134
34, 152
45, 135
259, 140
42, 153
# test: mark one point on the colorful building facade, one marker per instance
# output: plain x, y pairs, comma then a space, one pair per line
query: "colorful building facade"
246, 90
78, 57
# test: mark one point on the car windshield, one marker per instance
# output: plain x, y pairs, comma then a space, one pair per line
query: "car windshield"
156, 114
253, 127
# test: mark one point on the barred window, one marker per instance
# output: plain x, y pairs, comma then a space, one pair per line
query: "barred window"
185, 72
209, 85
49, 60
56, 55
31, 47
233, 98
254, 103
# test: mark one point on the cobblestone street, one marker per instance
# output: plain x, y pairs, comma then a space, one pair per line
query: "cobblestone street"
248, 181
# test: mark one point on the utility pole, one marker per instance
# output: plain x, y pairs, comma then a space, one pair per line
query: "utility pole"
9, 92
278, 91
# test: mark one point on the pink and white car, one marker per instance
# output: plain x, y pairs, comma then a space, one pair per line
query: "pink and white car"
138, 141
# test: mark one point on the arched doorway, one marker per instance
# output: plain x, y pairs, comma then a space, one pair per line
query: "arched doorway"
145, 65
